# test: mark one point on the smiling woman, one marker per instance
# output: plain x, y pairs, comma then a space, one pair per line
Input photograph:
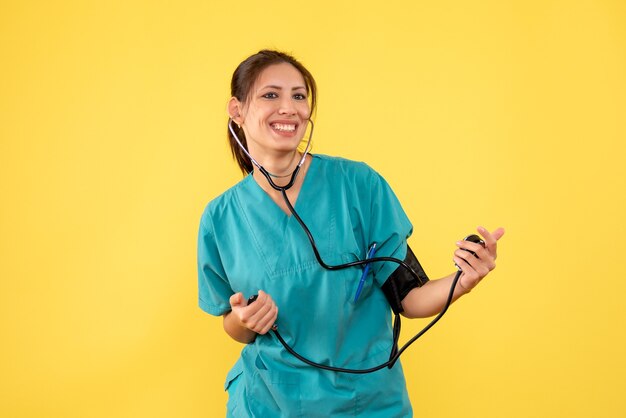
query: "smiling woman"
275, 116
248, 88
273, 97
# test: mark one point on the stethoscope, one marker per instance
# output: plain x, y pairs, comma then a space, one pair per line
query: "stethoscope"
395, 352
266, 173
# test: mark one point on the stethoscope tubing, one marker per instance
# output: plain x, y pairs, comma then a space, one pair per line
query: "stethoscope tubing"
392, 360
395, 353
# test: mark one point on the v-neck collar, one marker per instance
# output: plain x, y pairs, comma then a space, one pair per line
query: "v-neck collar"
276, 236
260, 198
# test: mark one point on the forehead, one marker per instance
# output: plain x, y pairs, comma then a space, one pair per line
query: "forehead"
282, 75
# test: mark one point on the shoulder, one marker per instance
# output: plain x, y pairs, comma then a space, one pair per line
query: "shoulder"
358, 180
353, 170
222, 205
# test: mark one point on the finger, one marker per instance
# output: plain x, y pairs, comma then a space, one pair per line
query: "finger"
469, 246
498, 233
465, 255
264, 319
470, 276
262, 297
236, 300
465, 267
491, 239
268, 320
486, 258
257, 311
480, 267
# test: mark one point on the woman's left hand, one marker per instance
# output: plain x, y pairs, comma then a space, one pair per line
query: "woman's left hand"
475, 267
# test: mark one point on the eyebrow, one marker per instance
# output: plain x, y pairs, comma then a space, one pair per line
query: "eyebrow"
280, 88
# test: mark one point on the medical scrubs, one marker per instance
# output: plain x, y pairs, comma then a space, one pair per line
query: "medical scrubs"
247, 243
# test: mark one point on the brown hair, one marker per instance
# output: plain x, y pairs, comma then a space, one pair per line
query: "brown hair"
241, 85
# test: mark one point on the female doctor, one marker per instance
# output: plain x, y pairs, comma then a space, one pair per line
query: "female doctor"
249, 243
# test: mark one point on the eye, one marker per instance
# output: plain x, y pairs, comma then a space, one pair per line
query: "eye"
299, 96
270, 95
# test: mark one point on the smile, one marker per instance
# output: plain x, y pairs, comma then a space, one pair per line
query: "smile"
283, 127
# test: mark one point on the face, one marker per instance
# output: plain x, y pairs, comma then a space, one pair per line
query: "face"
274, 117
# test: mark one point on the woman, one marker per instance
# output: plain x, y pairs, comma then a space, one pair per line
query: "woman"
250, 243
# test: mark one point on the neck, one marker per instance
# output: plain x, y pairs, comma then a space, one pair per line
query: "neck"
280, 169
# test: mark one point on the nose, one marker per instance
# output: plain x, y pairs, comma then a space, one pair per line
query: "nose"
287, 106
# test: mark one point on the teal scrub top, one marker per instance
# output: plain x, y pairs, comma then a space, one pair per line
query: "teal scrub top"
247, 243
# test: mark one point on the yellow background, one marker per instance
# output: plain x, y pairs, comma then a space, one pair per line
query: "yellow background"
112, 124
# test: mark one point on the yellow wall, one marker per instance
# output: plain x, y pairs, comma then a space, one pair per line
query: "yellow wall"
112, 122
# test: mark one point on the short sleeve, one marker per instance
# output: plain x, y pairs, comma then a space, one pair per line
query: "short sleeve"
389, 227
213, 286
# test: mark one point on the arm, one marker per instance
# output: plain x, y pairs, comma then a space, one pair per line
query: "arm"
430, 299
243, 322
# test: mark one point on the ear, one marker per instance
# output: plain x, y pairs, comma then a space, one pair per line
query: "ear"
234, 110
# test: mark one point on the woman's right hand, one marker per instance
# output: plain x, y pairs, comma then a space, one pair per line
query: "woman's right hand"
259, 316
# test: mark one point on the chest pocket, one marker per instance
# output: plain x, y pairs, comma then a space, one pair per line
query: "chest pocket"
353, 278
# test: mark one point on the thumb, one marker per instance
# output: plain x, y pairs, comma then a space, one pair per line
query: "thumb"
236, 300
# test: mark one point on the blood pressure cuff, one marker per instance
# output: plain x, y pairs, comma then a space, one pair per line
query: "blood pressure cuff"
401, 281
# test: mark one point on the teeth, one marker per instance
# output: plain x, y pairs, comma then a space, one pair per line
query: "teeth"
282, 127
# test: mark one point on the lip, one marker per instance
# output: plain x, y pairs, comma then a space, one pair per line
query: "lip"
285, 122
